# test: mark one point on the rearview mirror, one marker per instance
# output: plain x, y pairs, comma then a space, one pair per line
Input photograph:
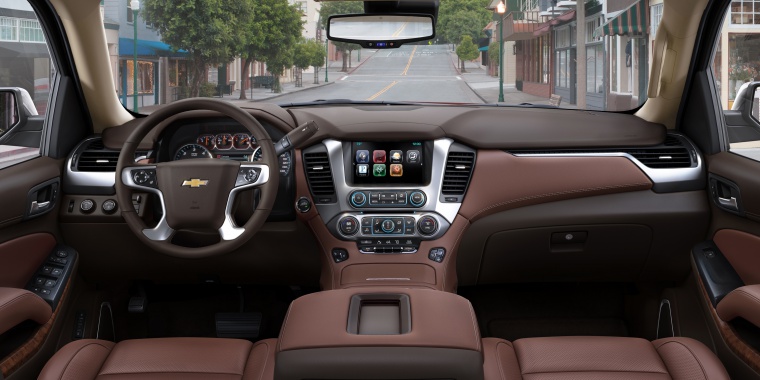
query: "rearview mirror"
381, 31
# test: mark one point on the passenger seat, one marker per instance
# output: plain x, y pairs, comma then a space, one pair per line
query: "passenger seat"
596, 358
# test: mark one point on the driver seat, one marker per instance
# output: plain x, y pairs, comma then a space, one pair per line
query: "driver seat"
163, 359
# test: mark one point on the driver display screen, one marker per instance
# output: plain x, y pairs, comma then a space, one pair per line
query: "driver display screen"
402, 163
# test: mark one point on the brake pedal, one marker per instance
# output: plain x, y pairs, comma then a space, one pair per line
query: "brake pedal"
238, 325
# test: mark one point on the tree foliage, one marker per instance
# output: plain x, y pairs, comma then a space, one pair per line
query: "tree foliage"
207, 29
270, 36
330, 8
462, 17
467, 50
309, 53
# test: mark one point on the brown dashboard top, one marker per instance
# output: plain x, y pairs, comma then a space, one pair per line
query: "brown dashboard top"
479, 127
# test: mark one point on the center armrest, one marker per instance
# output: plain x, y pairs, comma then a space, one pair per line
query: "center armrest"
19, 305
363, 333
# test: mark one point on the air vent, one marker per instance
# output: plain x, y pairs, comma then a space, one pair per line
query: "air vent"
458, 172
319, 175
662, 157
95, 158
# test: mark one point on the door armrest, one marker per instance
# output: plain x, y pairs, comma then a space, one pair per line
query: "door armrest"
743, 302
19, 305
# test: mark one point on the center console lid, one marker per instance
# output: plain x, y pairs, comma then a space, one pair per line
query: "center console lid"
392, 333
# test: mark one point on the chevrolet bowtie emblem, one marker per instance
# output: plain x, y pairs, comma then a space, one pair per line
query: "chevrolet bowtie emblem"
195, 182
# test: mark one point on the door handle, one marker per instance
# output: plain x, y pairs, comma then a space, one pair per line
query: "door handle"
39, 207
729, 203
41, 198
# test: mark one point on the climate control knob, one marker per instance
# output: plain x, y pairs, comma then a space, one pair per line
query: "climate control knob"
427, 225
388, 226
348, 225
358, 199
417, 198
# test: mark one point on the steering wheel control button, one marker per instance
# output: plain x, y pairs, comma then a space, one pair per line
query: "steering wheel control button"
144, 177
358, 199
247, 176
109, 206
339, 255
303, 205
427, 225
417, 198
437, 254
348, 225
87, 206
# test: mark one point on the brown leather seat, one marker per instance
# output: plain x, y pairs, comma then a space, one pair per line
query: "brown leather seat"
163, 359
594, 358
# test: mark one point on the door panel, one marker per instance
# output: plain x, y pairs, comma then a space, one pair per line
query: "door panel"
21, 257
16, 185
742, 250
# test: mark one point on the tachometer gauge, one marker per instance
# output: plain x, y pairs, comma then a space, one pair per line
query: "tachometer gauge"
191, 151
223, 141
241, 141
206, 141
256, 155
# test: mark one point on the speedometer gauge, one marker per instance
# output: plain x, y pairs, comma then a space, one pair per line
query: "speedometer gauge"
191, 151
223, 141
241, 141
256, 155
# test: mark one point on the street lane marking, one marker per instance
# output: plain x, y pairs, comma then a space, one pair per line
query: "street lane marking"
400, 29
388, 87
344, 78
411, 57
459, 78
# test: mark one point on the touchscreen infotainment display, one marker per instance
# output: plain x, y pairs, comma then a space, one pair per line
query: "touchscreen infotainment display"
402, 163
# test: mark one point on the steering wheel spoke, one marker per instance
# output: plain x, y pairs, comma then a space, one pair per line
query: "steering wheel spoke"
249, 176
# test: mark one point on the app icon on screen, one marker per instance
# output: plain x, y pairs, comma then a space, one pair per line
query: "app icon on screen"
378, 170
397, 157
378, 156
397, 170
413, 157
362, 170
362, 156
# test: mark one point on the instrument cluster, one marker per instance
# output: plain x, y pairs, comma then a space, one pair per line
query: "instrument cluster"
237, 146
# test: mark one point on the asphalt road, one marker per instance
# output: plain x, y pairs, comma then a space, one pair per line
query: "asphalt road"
422, 73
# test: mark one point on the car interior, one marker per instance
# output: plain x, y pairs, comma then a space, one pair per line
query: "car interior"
522, 242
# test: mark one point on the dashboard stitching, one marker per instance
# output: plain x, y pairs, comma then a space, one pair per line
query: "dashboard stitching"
590, 189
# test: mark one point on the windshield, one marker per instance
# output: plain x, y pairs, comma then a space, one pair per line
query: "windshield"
276, 51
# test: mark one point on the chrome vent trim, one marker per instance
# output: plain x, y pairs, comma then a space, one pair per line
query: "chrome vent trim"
456, 177
319, 176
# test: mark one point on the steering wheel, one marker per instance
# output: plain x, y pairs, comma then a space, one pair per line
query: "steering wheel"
197, 193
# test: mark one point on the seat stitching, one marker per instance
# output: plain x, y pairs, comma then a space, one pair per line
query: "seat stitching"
501, 368
266, 358
77, 353
693, 355
594, 371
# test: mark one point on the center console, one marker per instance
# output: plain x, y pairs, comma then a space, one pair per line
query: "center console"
396, 333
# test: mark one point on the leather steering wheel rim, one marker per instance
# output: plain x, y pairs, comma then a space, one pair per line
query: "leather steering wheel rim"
268, 166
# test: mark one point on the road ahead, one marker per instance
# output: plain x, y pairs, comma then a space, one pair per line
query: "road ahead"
410, 73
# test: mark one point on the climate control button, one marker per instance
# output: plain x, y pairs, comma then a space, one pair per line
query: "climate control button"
427, 225
388, 226
348, 225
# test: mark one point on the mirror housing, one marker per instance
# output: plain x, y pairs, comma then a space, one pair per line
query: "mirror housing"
16, 106
748, 101
380, 31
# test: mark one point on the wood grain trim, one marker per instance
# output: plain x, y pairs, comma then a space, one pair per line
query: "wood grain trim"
21, 355
502, 181
741, 349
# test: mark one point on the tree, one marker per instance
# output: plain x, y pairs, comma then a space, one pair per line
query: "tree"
277, 63
459, 17
309, 53
467, 50
269, 35
330, 8
207, 29
493, 53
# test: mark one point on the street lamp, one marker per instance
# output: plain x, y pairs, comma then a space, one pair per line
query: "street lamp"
327, 57
135, 4
500, 9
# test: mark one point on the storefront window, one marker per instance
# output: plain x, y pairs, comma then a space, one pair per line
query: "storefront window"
743, 60
745, 12
8, 29
591, 27
595, 69
144, 77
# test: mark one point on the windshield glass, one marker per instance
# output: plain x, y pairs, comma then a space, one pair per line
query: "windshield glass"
276, 51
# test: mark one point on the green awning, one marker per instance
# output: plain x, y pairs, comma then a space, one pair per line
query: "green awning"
632, 21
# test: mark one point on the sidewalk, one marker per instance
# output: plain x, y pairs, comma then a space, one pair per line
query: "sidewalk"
486, 87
